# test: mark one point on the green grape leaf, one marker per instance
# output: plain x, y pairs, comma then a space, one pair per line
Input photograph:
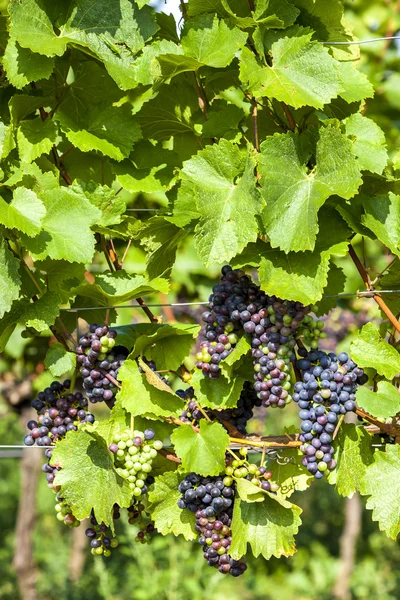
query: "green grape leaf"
9, 322
58, 360
112, 207
88, 478
299, 276
235, 358
248, 492
25, 212
23, 66
161, 240
290, 474
112, 288
149, 169
381, 482
110, 130
335, 285
370, 351
202, 452
163, 508
268, 527
139, 397
66, 233
36, 137
41, 314
383, 403
302, 73
294, 194
221, 180
114, 32
223, 121
211, 41
32, 28
356, 86
216, 394
168, 345
353, 454
275, 14
369, 143
382, 216
10, 280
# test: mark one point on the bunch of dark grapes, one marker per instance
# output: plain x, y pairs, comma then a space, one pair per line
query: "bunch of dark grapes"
100, 362
238, 416
212, 503
231, 293
327, 390
273, 326
101, 540
136, 513
59, 411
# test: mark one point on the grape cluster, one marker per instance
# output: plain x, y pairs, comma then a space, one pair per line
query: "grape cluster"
238, 416
99, 363
257, 475
58, 411
327, 390
134, 453
212, 503
64, 512
273, 325
101, 540
221, 332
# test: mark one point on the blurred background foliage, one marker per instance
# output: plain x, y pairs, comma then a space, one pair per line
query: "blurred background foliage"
169, 568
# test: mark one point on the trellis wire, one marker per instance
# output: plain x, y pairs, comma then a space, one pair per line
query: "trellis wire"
366, 293
368, 41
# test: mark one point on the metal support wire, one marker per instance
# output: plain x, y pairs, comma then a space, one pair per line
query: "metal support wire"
362, 294
359, 42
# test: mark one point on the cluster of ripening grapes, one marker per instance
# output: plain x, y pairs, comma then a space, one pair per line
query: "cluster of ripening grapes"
239, 306
100, 536
96, 353
326, 392
212, 503
257, 475
238, 416
58, 411
134, 452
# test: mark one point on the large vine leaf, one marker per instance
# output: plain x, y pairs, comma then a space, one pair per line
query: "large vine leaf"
383, 403
139, 397
268, 527
111, 288
303, 276
370, 351
202, 452
381, 483
23, 66
10, 280
211, 41
302, 73
88, 478
40, 315
25, 212
168, 345
164, 510
217, 394
353, 454
369, 143
58, 360
294, 194
221, 180
382, 216
66, 233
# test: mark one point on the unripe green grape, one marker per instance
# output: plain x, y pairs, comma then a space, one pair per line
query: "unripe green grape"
107, 552
132, 450
157, 444
114, 543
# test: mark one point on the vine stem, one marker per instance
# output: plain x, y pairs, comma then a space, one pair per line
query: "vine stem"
367, 281
254, 120
289, 116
